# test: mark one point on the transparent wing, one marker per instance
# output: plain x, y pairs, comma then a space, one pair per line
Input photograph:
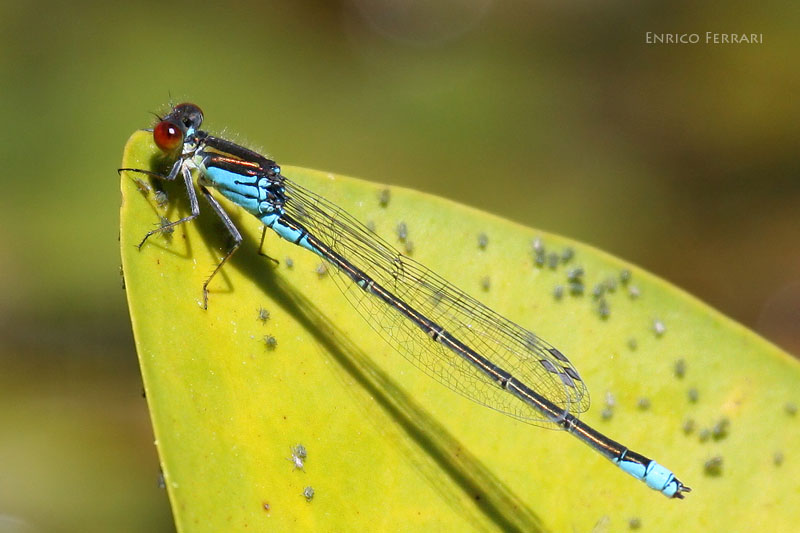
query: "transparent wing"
528, 358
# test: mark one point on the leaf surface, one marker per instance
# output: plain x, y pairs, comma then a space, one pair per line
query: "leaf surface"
389, 448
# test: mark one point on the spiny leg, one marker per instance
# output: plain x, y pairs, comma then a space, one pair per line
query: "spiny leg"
173, 172
178, 167
261, 247
195, 207
234, 232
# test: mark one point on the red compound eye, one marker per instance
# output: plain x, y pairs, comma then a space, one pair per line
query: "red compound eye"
167, 136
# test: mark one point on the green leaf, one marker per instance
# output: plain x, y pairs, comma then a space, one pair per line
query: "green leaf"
389, 448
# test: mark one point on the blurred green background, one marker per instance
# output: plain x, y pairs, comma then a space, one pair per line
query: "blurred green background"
681, 158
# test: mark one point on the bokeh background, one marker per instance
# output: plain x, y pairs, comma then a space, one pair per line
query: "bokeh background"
559, 115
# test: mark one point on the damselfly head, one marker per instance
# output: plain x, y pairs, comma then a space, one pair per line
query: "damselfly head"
170, 132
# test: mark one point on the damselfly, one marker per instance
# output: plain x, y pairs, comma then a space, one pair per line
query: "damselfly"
440, 329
